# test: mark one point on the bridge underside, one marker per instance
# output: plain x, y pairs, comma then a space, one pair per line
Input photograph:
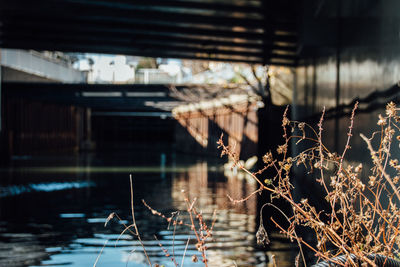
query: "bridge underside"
140, 98
238, 31
257, 31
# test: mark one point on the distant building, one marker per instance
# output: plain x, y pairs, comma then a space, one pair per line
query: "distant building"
157, 76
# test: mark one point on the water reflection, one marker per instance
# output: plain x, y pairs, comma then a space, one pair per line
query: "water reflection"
45, 187
233, 232
55, 216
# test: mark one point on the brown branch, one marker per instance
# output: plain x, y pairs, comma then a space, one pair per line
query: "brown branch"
235, 201
134, 222
380, 167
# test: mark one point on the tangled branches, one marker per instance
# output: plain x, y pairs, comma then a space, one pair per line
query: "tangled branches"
200, 229
363, 217
197, 224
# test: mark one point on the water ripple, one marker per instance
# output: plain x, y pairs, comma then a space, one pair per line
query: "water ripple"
13, 190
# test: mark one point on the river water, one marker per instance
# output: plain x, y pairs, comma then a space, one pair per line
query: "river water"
53, 211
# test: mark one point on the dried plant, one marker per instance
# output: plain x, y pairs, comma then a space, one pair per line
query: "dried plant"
132, 228
197, 224
363, 218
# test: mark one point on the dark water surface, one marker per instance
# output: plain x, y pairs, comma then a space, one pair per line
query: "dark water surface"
53, 210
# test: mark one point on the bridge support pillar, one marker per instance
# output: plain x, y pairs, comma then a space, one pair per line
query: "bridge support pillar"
88, 143
1, 99
5, 146
89, 125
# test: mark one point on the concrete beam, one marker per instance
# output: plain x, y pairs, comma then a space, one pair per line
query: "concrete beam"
37, 65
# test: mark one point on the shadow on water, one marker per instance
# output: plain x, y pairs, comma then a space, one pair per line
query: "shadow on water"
53, 210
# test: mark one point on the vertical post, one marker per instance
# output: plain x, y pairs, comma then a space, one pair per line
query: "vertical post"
306, 109
80, 135
145, 76
1, 106
89, 126
314, 86
337, 91
4, 144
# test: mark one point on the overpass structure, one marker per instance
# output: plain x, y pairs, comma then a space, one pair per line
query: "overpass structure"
32, 66
337, 50
104, 97
254, 31
281, 32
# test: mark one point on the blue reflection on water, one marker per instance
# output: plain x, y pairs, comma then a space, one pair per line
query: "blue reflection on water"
72, 215
13, 190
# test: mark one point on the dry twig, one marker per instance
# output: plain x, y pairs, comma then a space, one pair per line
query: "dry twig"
359, 224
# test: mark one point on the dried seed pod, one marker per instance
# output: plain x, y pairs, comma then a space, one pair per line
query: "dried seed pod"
262, 236
194, 258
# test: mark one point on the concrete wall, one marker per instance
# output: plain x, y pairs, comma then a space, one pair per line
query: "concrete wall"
13, 75
28, 64
362, 57
334, 73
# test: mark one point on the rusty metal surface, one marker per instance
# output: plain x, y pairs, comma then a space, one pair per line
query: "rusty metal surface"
36, 127
238, 123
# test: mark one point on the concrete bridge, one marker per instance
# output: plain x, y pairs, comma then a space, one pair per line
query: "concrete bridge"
337, 51
32, 66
